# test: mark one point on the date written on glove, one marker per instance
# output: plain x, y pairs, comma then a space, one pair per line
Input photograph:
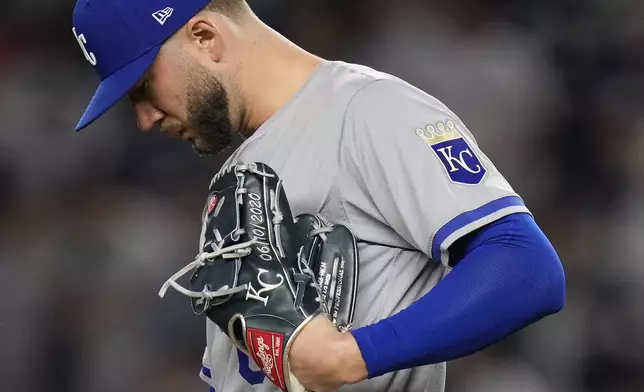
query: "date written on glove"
262, 274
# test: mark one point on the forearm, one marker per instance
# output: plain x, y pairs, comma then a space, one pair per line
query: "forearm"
509, 278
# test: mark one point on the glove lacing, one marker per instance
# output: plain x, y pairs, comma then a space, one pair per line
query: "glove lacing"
305, 274
231, 252
235, 251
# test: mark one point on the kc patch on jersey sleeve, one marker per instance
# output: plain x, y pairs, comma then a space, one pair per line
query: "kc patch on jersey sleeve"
458, 158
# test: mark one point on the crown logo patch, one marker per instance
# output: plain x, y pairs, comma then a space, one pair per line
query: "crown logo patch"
459, 160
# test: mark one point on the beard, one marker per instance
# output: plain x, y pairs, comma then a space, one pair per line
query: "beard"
208, 112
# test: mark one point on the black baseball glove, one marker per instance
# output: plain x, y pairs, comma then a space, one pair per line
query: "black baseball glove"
262, 274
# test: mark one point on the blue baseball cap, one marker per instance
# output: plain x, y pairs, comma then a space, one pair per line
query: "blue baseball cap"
121, 39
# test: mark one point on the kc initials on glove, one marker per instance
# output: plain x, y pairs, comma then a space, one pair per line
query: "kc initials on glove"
262, 274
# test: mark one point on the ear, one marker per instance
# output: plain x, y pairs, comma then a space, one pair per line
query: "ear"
204, 33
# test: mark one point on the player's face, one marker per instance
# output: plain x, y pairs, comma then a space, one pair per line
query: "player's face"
186, 101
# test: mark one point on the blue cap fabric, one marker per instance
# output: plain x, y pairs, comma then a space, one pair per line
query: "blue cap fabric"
121, 39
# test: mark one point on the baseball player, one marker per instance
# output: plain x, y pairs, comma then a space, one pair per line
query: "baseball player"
451, 259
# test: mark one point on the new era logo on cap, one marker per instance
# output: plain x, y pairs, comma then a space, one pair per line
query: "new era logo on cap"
162, 15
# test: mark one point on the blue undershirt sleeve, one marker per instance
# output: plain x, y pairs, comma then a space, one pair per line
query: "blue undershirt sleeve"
507, 277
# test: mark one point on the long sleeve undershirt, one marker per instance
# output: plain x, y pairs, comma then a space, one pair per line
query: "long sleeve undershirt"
507, 275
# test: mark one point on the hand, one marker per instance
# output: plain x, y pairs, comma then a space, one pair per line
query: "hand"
324, 359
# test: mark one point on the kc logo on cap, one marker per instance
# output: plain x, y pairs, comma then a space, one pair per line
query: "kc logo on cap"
82, 42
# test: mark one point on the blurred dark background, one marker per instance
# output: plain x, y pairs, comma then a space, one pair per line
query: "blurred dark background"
94, 222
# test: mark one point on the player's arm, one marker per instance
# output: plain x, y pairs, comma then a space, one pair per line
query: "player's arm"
508, 278
449, 201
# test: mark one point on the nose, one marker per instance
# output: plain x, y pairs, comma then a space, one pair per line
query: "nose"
147, 115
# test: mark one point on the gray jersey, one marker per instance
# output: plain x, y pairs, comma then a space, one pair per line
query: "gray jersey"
394, 164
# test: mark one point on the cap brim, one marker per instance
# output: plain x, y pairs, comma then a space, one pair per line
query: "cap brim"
115, 87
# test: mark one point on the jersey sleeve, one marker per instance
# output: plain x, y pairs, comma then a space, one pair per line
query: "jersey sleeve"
409, 163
